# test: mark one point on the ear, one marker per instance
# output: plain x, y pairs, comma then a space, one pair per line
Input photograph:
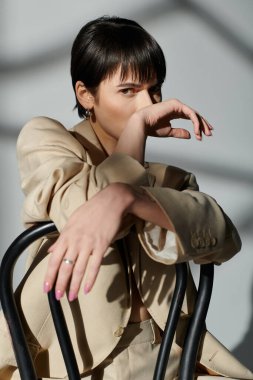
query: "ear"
84, 96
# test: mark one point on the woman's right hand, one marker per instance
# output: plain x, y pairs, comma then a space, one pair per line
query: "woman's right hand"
155, 120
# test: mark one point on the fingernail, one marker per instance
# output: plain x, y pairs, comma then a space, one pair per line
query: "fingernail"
46, 287
72, 296
86, 289
58, 294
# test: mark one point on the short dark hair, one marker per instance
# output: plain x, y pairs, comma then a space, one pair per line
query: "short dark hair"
104, 44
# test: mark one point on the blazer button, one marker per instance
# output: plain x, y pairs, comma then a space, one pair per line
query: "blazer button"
194, 242
119, 332
197, 243
213, 241
201, 242
208, 241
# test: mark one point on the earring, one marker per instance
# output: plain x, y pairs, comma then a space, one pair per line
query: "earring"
87, 113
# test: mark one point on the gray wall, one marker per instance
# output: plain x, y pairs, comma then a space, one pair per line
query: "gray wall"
209, 50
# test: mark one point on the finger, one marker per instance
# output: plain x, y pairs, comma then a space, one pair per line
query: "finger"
204, 125
65, 272
179, 133
78, 275
207, 122
56, 255
161, 131
211, 128
92, 270
193, 116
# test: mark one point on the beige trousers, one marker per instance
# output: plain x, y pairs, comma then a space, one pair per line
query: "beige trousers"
135, 356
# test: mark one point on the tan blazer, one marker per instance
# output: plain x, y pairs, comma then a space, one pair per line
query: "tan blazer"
60, 170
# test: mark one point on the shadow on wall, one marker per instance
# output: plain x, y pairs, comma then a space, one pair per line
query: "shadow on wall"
243, 351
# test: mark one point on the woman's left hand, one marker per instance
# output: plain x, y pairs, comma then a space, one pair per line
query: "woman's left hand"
80, 248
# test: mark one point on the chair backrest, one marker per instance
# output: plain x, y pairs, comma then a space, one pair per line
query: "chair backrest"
23, 357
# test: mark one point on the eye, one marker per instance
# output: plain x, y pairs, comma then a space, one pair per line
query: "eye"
128, 91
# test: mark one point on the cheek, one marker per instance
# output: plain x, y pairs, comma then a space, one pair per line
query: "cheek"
113, 111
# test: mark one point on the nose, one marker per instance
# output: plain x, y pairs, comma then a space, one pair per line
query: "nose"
143, 99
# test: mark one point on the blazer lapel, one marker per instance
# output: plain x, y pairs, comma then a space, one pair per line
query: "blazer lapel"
85, 134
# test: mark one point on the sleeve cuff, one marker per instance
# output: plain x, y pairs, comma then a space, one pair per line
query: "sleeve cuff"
159, 243
122, 168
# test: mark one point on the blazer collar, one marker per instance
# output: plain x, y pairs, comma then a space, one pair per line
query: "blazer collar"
85, 134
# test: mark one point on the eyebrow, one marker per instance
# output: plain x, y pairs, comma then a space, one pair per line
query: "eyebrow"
137, 85
129, 84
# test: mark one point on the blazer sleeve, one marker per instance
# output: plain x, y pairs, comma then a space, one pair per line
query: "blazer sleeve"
55, 175
202, 231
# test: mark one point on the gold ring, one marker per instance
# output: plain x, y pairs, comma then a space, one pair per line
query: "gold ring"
68, 261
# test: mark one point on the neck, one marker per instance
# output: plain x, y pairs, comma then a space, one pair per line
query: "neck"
107, 142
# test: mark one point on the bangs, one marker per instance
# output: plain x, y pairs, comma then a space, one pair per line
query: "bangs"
135, 54
142, 67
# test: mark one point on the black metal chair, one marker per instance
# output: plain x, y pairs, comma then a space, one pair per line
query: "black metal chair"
23, 357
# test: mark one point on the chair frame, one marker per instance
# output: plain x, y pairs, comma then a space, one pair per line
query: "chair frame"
21, 350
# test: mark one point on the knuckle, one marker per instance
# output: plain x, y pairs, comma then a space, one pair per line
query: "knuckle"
66, 269
94, 267
53, 261
176, 102
78, 272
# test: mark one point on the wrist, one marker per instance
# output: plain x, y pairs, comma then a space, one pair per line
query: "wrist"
136, 124
122, 196
132, 140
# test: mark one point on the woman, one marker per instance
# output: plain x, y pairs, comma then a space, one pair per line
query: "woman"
123, 222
